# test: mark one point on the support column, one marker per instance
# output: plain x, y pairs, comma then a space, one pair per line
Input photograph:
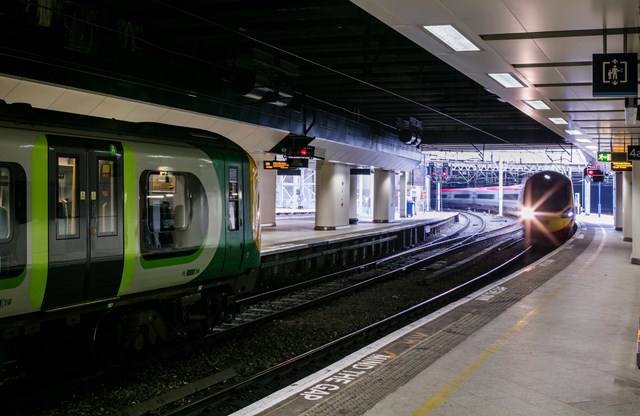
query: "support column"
267, 189
627, 212
383, 191
353, 199
332, 196
586, 185
402, 208
635, 207
617, 201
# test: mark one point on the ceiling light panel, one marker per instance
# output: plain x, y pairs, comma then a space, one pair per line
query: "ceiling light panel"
574, 132
558, 120
507, 80
537, 104
451, 37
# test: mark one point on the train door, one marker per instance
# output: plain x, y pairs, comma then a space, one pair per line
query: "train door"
86, 243
235, 214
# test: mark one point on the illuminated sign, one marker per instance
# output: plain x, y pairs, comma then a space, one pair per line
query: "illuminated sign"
286, 164
612, 157
621, 166
604, 157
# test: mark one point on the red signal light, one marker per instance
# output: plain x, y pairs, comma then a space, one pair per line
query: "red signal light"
303, 152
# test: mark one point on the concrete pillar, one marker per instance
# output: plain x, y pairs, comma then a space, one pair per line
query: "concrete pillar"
383, 195
635, 207
267, 189
353, 199
586, 185
627, 212
617, 201
332, 196
402, 208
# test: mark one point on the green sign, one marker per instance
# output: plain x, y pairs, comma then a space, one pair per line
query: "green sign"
604, 157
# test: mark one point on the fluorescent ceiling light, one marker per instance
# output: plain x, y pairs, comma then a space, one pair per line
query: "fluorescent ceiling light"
451, 37
574, 132
558, 120
507, 80
592, 147
584, 140
537, 104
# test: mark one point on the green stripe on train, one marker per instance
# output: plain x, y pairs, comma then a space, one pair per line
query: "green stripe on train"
39, 221
130, 217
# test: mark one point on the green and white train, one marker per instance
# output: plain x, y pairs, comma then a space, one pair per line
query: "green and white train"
137, 231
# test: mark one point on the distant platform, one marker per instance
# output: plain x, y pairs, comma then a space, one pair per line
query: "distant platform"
298, 230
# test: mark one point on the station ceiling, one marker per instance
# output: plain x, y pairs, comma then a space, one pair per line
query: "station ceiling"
364, 61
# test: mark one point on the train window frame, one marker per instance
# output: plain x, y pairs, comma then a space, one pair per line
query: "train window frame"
75, 202
100, 198
13, 248
6, 211
184, 232
233, 223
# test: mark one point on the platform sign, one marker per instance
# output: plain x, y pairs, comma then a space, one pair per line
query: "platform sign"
633, 152
621, 166
615, 74
609, 157
286, 164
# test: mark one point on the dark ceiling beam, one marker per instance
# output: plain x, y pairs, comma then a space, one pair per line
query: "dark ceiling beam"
562, 34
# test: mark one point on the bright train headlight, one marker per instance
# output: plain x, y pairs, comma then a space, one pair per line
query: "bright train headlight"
527, 213
568, 213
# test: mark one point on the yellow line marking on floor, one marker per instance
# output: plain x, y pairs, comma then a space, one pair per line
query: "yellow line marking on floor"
450, 388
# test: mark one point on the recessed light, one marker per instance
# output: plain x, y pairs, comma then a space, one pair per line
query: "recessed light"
583, 140
451, 37
537, 104
558, 120
574, 132
592, 147
507, 80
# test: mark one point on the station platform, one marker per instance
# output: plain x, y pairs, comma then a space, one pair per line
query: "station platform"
298, 231
558, 338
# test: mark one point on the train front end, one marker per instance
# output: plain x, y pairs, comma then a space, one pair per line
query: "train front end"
547, 208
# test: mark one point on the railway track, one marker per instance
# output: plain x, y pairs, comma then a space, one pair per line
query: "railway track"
292, 300
218, 402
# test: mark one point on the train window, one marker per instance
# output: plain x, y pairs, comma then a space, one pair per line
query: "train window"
5, 204
486, 196
510, 197
107, 208
461, 196
174, 214
67, 207
233, 198
13, 220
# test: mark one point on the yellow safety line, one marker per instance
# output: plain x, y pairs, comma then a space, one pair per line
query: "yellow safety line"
445, 392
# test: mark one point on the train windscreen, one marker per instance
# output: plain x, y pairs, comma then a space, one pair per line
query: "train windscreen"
549, 193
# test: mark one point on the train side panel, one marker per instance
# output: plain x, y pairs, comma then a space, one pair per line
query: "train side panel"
177, 216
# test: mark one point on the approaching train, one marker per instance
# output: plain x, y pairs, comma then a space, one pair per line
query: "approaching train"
136, 231
547, 207
544, 204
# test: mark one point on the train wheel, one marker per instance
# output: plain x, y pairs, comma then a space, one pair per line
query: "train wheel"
109, 344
